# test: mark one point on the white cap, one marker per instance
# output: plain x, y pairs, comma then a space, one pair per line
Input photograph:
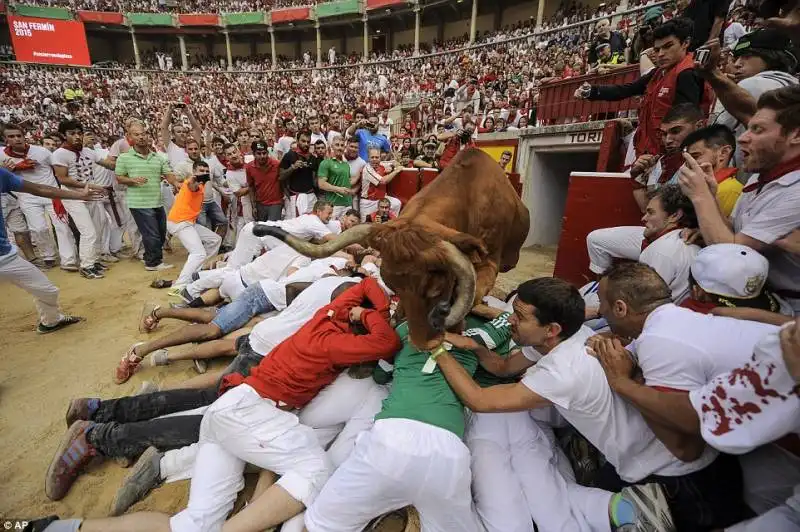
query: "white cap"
731, 270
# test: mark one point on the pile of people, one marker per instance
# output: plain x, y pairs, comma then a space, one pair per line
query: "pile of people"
663, 396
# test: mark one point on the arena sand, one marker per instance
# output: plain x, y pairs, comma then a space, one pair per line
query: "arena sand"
40, 374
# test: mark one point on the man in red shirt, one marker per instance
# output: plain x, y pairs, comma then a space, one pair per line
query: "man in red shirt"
455, 141
264, 185
375, 179
252, 421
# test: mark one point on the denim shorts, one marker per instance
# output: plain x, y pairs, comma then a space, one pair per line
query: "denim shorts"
236, 314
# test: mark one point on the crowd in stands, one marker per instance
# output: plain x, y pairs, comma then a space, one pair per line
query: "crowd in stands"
672, 379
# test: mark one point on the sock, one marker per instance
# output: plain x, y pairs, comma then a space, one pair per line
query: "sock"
621, 510
197, 303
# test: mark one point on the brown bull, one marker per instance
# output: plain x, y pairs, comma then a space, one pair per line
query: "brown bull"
442, 254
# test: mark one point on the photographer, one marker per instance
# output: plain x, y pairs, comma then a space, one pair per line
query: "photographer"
199, 241
674, 81
455, 142
643, 39
383, 214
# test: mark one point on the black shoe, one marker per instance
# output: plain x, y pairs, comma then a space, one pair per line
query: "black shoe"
91, 273
99, 266
196, 276
39, 525
64, 322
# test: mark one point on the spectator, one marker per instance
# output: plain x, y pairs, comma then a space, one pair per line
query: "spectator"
709, 18
714, 146
604, 35
263, 183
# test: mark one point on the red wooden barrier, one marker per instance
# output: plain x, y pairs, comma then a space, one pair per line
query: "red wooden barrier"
557, 102
404, 185
592, 203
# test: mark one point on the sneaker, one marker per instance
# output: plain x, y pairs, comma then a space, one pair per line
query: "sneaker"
99, 266
145, 475
160, 267
108, 257
81, 410
69, 267
91, 273
49, 264
128, 365
63, 322
73, 454
38, 262
181, 292
641, 509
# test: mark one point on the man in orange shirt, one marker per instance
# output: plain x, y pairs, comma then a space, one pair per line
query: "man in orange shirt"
196, 239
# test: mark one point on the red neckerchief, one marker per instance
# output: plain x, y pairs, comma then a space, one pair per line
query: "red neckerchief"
231, 166
724, 173
772, 174
703, 307
25, 163
647, 241
302, 155
670, 164
76, 151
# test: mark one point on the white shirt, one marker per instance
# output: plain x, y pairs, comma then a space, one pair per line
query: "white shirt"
272, 331
102, 176
284, 145
683, 350
732, 34
672, 259
175, 154
356, 165
385, 127
273, 264
306, 226
42, 173
752, 405
276, 290
318, 136
575, 383
119, 147
332, 134
237, 179
767, 216
78, 168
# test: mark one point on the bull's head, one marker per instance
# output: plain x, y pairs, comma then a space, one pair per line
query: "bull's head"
433, 278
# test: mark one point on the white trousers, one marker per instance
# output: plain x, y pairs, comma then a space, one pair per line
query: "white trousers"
39, 214
520, 475
208, 279
25, 275
298, 204
79, 211
199, 241
102, 224
604, 245
239, 428
249, 246
397, 463
128, 224
368, 206
783, 518
339, 210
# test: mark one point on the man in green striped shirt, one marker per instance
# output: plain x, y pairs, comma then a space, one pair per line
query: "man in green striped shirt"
334, 179
142, 169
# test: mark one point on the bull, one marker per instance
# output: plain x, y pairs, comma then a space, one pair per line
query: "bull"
441, 256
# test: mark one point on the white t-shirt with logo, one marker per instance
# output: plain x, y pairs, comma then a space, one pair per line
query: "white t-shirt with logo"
79, 168
672, 259
752, 405
576, 384
274, 330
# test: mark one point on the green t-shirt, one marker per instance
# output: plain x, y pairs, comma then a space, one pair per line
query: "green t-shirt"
425, 397
494, 335
337, 173
152, 166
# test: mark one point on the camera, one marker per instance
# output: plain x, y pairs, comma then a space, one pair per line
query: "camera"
465, 136
202, 178
702, 55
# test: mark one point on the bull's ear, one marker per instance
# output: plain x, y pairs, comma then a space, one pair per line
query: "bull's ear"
472, 247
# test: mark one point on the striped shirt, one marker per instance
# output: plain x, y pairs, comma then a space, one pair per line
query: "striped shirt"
152, 166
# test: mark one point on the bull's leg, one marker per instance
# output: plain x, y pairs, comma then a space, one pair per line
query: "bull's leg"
486, 273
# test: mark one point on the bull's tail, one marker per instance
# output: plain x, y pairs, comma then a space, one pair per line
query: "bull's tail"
316, 251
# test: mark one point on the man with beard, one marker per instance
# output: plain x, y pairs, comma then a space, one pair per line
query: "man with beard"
367, 134
264, 185
298, 178
375, 177
767, 209
334, 179
175, 145
73, 167
236, 176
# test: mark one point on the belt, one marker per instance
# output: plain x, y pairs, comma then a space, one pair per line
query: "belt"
114, 206
242, 279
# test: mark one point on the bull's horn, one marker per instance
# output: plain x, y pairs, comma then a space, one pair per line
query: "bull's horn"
465, 284
354, 235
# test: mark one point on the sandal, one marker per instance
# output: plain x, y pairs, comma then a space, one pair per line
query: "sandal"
160, 283
148, 320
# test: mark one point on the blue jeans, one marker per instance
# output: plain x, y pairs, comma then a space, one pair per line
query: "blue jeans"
252, 302
211, 216
152, 224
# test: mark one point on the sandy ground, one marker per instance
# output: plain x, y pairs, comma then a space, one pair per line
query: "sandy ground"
40, 374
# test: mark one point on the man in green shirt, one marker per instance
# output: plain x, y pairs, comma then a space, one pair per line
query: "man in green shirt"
142, 169
412, 455
334, 179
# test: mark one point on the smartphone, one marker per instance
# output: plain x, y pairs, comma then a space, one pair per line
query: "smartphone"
702, 55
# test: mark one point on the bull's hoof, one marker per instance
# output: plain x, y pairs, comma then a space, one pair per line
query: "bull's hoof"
269, 230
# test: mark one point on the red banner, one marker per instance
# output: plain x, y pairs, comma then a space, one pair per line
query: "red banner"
375, 4
42, 40
199, 19
101, 17
290, 15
